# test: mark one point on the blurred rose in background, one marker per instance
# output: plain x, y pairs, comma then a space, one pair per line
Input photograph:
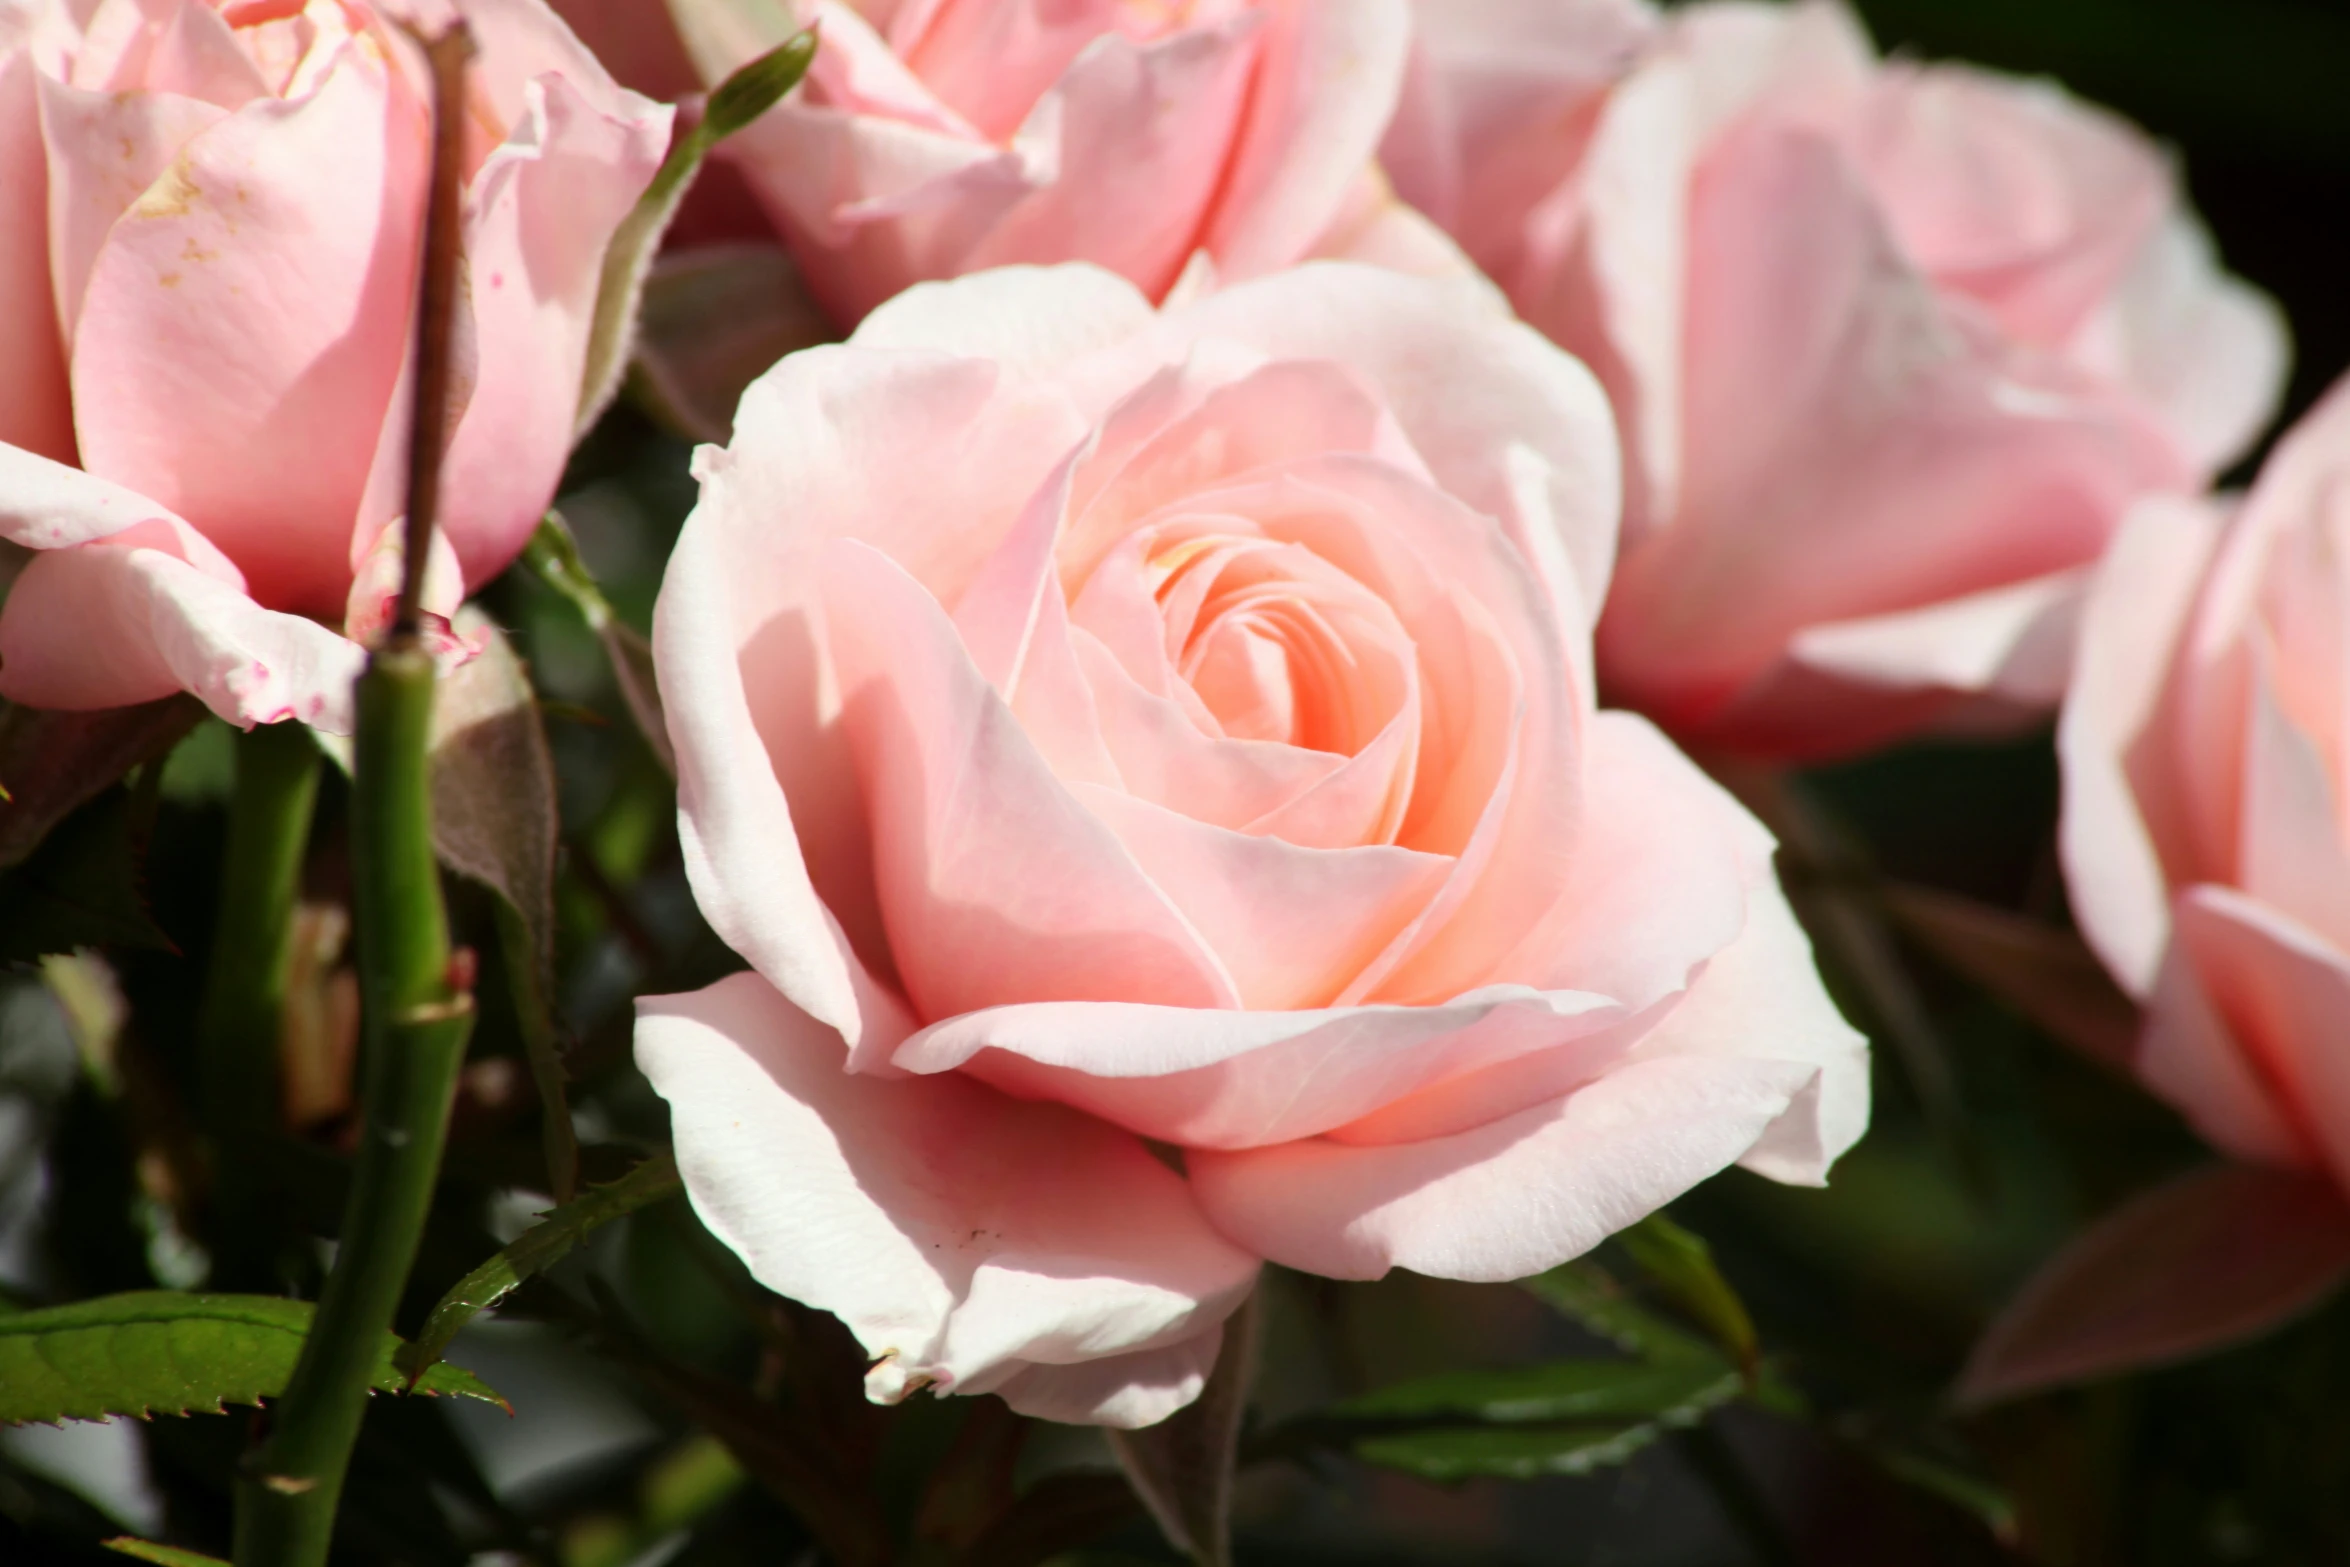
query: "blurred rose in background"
2206, 747
939, 137
1893, 345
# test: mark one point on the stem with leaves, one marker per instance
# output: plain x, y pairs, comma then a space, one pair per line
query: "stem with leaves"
417, 1000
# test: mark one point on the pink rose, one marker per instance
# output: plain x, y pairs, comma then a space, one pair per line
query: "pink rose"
1154, 755
209, 222
1893, 346
2206, 836
938, 137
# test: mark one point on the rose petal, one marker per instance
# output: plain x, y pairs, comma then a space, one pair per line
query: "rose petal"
36, 410
1507, 1199
2282, 991
2121, 821
962, 1236
995, 882
2207, 349
769, 816
1326, 84
155, 610
2187, 1054
245, 321
1126, 150
1505, 422
539, 215
1228, 1079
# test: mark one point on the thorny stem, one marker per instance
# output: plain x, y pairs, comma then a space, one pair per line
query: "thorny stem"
416, 995
252, 953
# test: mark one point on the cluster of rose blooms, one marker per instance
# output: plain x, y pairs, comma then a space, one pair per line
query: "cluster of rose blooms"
1136, 701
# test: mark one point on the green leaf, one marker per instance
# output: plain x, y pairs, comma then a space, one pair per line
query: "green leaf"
161, 1555
1507, 1452
1680, 1265
533, 1251
159, 1352
737, 101
553, 557
1560, 1390
1587, 1294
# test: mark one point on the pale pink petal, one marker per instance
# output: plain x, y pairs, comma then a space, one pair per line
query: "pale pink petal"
2187, 1054
1027, 321
962, 1236
36, 410
995, 883
518, 42
1758, 996
105, 151
1128, 148
1602, 267
1761, 998
1497, 96
539, 215
1125, 1391
47, 505
1291, 924
1834, 391
1658, 881
1504, 421
2283, 992
2119, 825
197, 55
2013, 642
2292, 853
2209, 350
1228, 1079
245, 322
141, 615
1326, 85
1377, 230
1507, 1199
770, 818
2011, 193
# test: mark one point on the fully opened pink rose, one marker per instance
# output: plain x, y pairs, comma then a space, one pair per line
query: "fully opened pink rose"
1893, 346
209, 231
2206, 836
938, 137
1150, 763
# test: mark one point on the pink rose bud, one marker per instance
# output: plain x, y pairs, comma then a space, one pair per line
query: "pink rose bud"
2206, 835
1150, 762
938, 137
1893, 346
209, 227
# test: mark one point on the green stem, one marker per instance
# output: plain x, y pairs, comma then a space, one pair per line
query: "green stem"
416, 1024
252, 945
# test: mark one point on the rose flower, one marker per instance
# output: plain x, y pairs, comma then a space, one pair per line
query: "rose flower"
1150, 763
1893, 346
2206, 835
209, 235
938, 137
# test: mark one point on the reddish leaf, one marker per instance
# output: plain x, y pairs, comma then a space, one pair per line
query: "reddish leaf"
50, 763
2219, 1255
2048, 975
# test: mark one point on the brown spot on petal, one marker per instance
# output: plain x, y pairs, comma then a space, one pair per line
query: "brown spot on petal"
169, 197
